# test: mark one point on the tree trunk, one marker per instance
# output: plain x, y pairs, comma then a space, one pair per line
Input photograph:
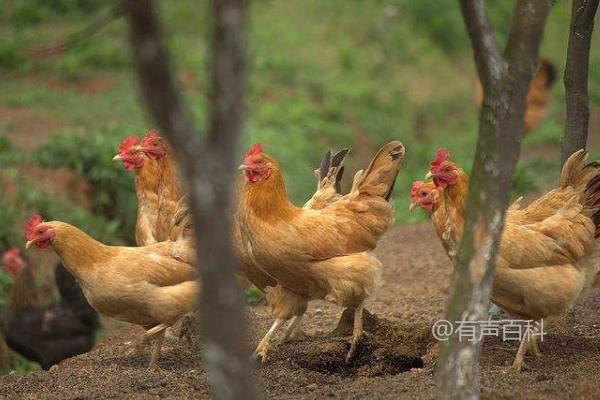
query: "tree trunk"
576, 77
505, 80
208, 166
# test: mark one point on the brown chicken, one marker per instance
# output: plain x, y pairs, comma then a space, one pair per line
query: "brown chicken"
328, 175
157, 185
151, 286
549, 254
538, 96
315, 254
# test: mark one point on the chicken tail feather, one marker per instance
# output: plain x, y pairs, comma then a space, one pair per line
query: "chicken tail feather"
331, 169
585, 179
380, 176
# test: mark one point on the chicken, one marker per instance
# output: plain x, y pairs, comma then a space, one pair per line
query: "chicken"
315, 254
538, 96
151, 286
156, 183
549, 254
46, 334
328, 175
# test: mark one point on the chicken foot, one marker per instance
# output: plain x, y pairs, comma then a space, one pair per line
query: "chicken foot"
529, 343
357, 333
263, 348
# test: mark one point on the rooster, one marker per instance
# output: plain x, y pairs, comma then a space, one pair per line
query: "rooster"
538, 95
315, 254
549, 254
46, 334
151, 286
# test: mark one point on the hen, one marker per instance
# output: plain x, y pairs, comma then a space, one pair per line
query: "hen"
538, 96
315, 254
151, 286
549, 254
156, 182
46, 334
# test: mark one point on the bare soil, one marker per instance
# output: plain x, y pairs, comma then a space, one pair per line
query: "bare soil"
393, 361
28, 127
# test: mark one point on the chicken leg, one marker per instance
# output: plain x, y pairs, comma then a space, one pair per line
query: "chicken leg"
357, 333
529, 342
293, 329
263, 348
158, 341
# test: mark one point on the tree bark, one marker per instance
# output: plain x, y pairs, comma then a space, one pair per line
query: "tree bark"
576, 77
505, 79
208, 165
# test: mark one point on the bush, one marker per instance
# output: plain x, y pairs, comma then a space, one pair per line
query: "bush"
113, 191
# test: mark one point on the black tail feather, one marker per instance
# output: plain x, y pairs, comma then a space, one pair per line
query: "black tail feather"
325, 165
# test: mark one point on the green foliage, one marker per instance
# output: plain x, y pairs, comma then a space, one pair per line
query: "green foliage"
20, 366
324, 74
11, 52
31, 12
91, 156
254, 296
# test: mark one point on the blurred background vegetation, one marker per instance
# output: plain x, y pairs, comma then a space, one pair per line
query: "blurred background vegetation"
324, 74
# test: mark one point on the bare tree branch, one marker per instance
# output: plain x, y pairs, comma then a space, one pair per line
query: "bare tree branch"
208, 167
576, 77
500, 132
58, 48
488, 57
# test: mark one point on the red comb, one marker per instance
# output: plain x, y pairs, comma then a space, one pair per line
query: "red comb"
442, 155
150, 136
416, 186
11, 253
254, 149
128, 143
33, 222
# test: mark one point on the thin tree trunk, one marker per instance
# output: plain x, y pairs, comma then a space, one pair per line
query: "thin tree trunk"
576, 77
208, 167
505, 80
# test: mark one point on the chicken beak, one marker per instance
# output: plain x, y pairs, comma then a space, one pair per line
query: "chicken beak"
243, 167
412, 206
28, 244
117, 158
429, 175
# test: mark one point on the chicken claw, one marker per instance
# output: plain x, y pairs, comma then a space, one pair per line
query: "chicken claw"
528, 342
264, 346
357, 333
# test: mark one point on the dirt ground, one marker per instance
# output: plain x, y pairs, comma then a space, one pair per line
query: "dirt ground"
388, 365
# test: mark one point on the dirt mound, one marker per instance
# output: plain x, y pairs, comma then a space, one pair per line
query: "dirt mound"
386, 349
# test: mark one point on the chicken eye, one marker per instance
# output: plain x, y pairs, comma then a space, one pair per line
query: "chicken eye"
423, 194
